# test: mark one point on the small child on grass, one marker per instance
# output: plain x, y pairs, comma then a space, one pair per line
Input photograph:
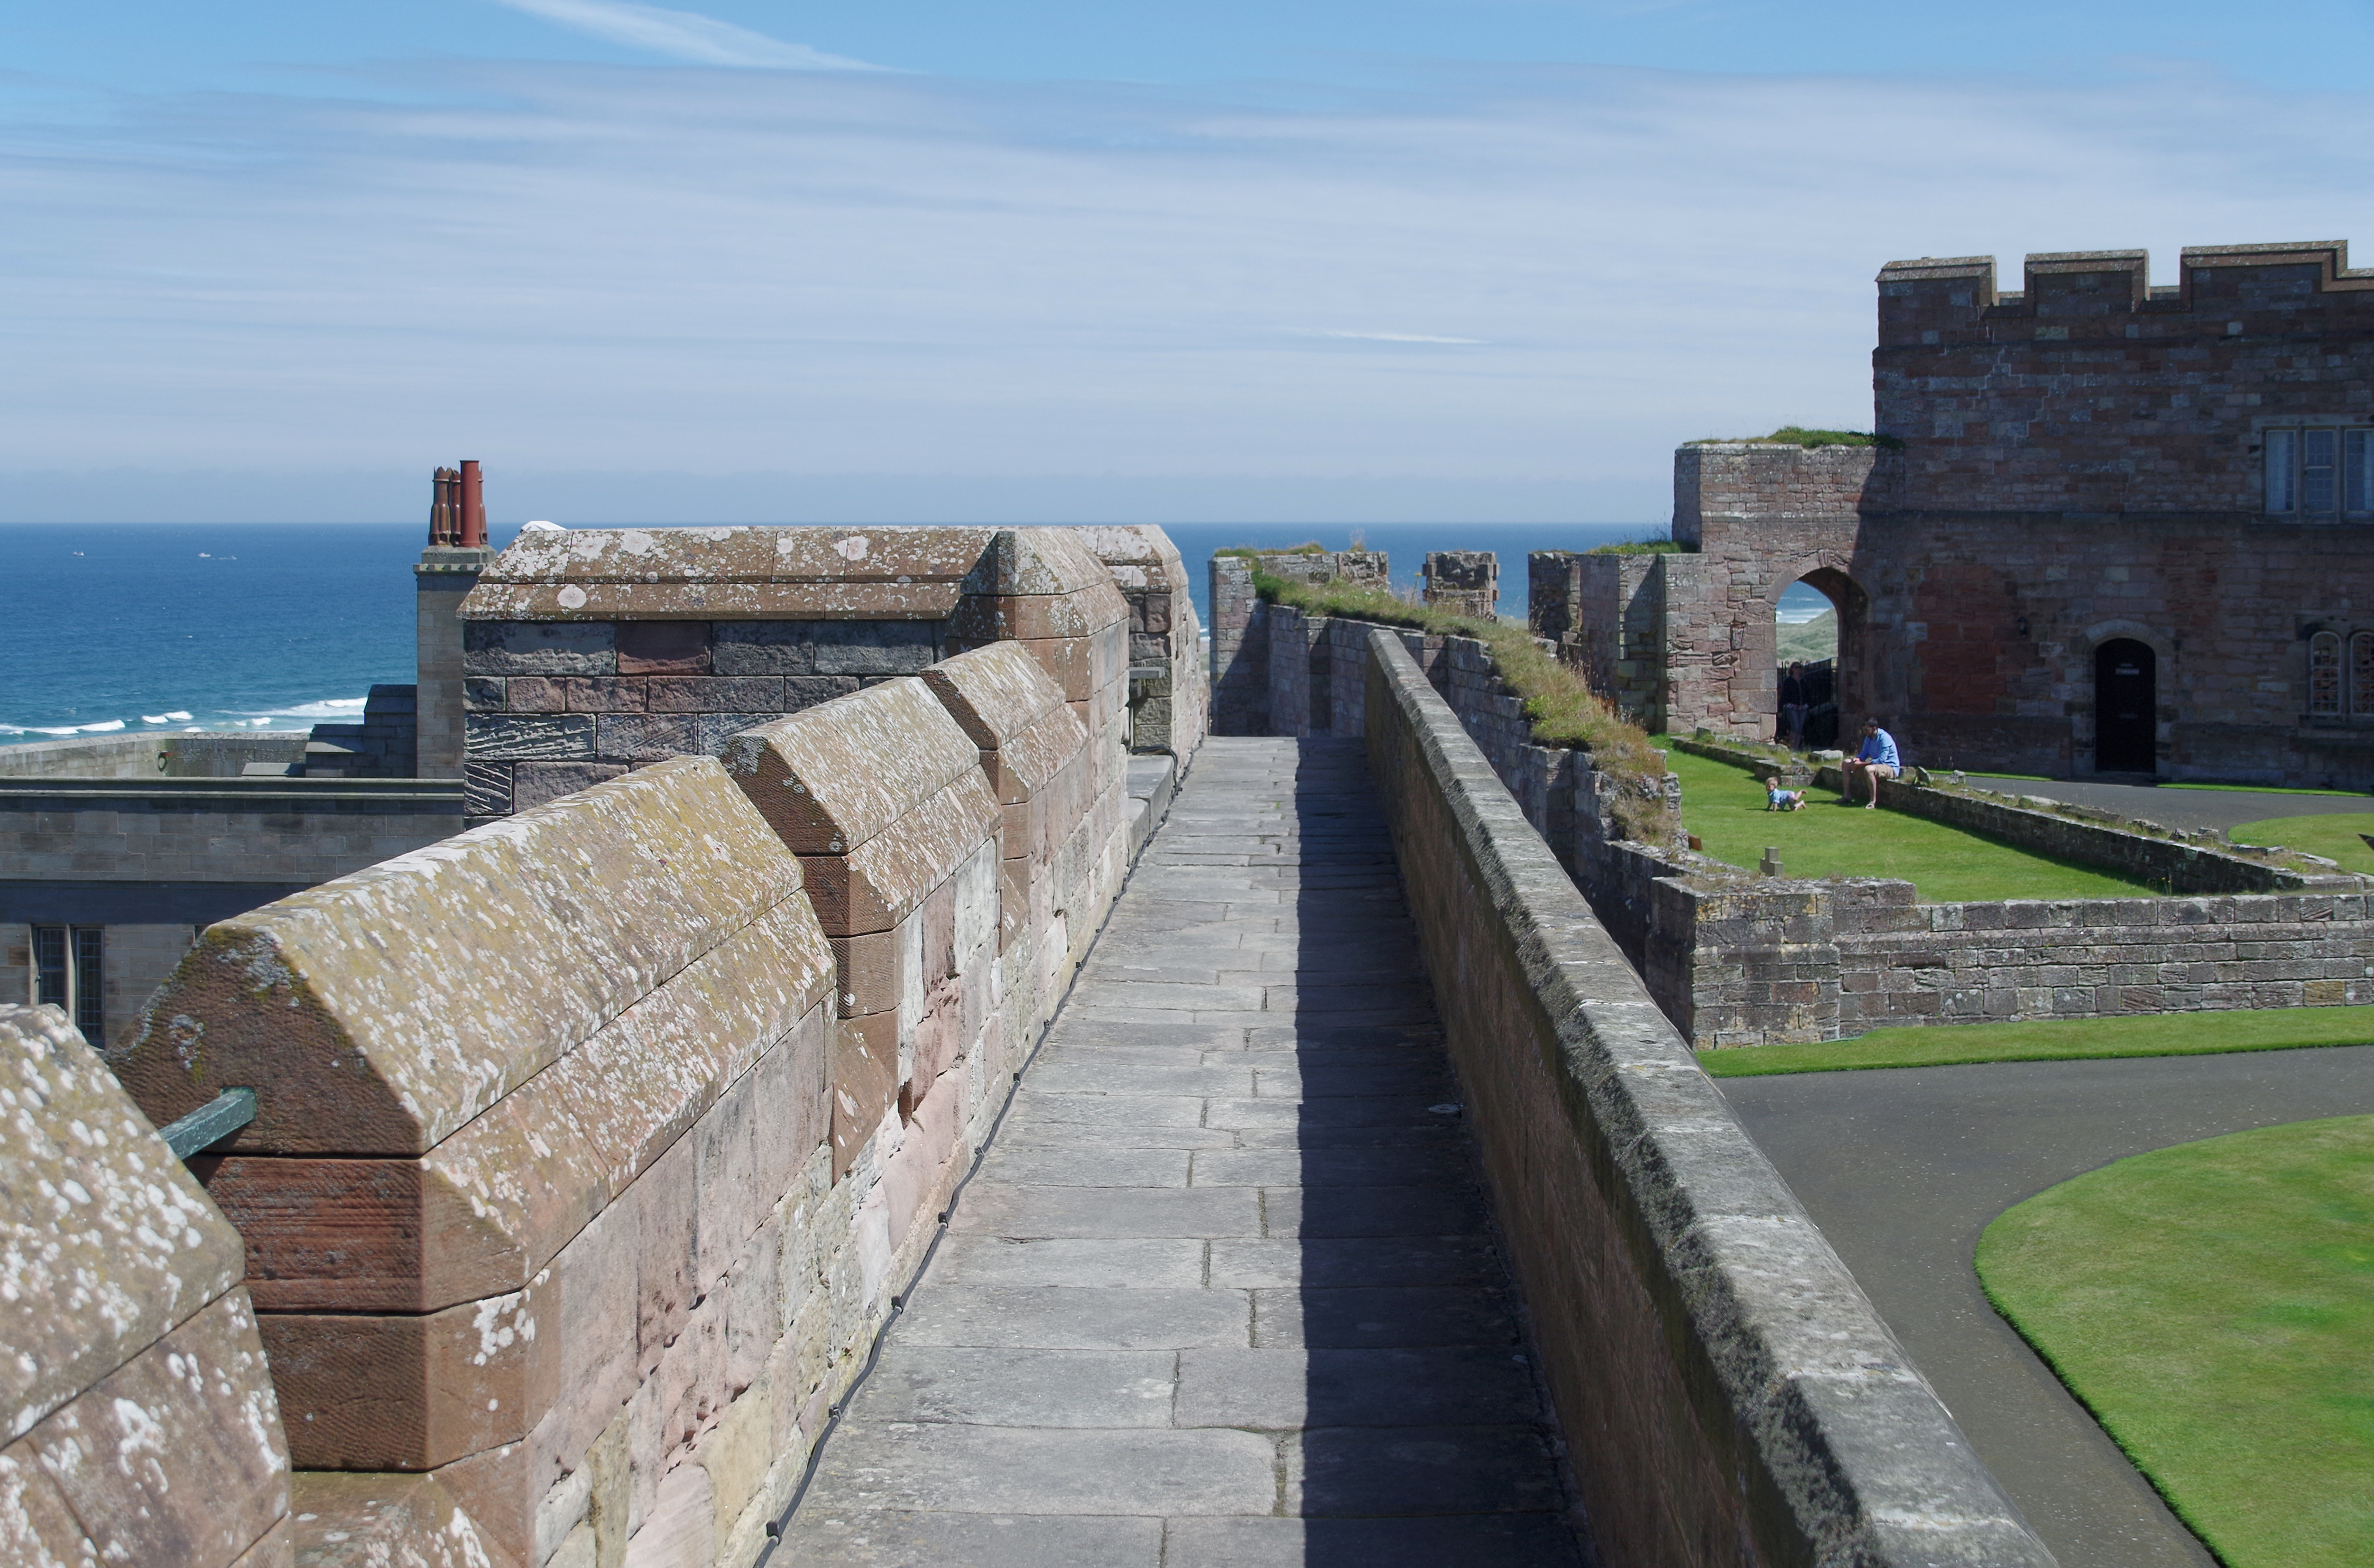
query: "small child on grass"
1778, 800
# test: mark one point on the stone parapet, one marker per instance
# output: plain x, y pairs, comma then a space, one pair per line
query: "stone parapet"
1170, 690
141, 1424
1728, 1394
541, 1112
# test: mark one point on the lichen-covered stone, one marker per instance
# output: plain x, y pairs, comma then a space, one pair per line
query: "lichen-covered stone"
365, 1520
880, 794
106, 1242
719, 574
176, 1456
378, 1013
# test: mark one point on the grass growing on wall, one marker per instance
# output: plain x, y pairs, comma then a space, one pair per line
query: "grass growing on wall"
2335, 837
2056, 1040
2213, 1305
1643, 546
1563, 709
1799, 435
1723, 806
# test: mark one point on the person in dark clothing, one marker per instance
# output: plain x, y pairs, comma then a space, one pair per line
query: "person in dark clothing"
1793, 706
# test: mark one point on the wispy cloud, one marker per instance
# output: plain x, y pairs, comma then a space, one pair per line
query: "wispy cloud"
1396, 337
683, 35
600, 269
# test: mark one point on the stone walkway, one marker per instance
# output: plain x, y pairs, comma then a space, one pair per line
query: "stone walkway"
1224, 1292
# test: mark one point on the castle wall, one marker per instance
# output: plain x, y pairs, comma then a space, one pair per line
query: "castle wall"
594, 651
593, 1144
1463, 581
140, 1424
2092, 393
1605, 615
2085, 461
1170, 696
1712, 1358
1243, 683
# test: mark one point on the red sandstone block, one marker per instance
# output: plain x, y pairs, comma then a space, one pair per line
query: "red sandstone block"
667, 1277
864, 1084
923, 1166
662, 647
590, 1306
173, 1457
601, 694
868, 967
534, 694
368, 1392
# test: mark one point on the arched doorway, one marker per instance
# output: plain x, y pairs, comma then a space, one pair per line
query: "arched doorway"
2126, 707
1818, 621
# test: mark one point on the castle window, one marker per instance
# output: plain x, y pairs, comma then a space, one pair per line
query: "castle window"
2324, 674
2320, 471
2361, 675
69, 972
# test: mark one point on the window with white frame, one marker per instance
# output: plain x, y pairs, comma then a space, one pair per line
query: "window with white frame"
70, 972
2319, 470
2361, 675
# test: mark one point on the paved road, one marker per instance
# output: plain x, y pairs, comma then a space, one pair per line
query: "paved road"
1903, 1168
1224, 1292
2181, 808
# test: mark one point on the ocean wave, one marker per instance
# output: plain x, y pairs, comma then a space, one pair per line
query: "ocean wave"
103, 728
326, 708
176, 717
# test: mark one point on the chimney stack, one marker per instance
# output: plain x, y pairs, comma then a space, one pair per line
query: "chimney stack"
470, 519
457, 552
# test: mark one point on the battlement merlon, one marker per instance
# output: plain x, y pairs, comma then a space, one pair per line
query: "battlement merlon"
1935, 302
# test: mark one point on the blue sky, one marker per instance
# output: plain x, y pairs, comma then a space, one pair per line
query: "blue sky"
920, 260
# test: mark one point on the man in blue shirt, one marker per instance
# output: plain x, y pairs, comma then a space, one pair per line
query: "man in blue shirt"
1876, 760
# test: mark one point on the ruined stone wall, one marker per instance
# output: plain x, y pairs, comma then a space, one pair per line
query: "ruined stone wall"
1728, 1395
141, 1426
1240, 674
1243, 681
1737, 961
1605, 614
1463, 581
1972, 636
591, 1144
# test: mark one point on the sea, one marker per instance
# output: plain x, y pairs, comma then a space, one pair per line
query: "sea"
109, 628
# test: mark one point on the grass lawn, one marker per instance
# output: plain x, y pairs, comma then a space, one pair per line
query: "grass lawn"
2213, 1305
2267, 789
2334, 837
1724, 807
2056, 1040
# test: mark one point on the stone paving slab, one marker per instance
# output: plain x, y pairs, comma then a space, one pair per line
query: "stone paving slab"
1078, 1317
1176, 1262
1517, 1540
1224, 1290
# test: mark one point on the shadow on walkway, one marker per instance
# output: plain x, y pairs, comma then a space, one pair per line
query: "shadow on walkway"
1225, 1289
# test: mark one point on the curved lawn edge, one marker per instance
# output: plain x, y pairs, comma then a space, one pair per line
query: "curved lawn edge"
2056, 1040
2212, 1304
